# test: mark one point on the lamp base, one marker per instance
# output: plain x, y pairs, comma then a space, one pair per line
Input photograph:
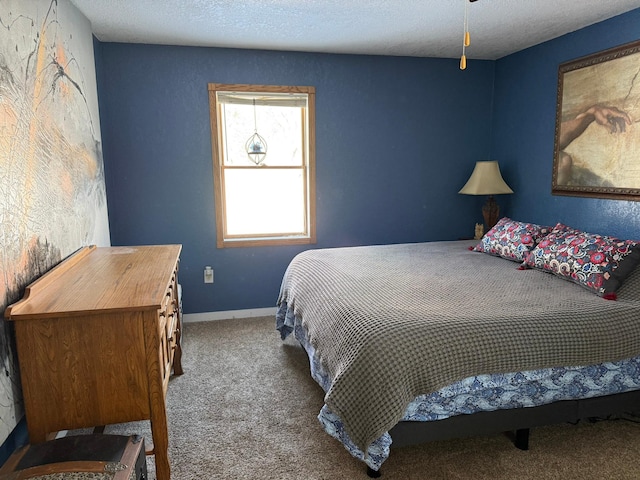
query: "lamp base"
490, 212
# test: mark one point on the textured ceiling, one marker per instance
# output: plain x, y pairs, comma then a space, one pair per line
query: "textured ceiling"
423, 28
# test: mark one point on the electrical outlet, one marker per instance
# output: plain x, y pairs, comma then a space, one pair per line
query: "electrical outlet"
208, 274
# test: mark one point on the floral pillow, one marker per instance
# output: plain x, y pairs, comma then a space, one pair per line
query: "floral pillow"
511, 239
596, 262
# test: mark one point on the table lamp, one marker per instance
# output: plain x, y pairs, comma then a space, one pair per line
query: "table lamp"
487, 180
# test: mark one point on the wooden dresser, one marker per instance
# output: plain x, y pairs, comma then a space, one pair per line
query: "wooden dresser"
97, 338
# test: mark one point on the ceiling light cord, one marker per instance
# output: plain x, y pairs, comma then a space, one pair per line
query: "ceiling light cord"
466, 38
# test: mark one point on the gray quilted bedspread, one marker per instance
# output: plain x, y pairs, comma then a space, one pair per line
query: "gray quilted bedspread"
391, 322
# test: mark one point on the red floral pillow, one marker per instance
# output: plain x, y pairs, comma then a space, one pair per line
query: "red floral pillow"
511, 239
596, 262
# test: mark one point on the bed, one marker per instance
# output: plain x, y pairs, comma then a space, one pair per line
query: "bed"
416, 342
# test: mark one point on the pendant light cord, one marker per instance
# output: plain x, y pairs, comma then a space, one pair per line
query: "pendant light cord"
255, 122
466, 40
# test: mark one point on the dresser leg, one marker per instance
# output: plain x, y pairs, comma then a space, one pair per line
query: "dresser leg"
160, 437
177, 356
160, 449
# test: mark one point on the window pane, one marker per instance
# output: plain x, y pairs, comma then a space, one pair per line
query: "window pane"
270, 204
264, 201
281, 128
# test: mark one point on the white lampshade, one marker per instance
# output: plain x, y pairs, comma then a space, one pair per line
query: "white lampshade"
485, 180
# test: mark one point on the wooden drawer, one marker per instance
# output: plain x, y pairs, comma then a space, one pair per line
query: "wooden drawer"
169, 325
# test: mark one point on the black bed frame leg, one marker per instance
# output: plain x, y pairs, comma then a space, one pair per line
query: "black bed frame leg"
371, 473
521, 440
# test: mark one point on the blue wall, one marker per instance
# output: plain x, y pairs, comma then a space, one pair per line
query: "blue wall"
396, 138
524, 125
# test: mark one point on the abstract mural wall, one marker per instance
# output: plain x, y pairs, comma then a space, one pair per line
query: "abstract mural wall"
52, 189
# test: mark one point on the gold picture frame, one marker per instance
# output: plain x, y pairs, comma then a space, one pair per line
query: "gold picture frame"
597, 133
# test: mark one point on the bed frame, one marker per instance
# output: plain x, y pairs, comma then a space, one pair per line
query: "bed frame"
516, 422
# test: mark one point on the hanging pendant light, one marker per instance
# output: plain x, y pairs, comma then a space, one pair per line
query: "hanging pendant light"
256, 146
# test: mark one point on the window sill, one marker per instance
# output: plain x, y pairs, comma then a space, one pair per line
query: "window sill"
266, 241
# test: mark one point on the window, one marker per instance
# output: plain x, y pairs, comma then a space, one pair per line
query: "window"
273, 202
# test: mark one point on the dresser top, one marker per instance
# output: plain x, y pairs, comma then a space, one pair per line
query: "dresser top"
96, 279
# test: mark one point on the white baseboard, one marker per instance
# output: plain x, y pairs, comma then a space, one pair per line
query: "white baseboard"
229, 314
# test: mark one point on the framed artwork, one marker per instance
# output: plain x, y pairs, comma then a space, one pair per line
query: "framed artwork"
597, 135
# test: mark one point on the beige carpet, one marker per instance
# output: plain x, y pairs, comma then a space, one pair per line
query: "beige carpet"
246, 409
